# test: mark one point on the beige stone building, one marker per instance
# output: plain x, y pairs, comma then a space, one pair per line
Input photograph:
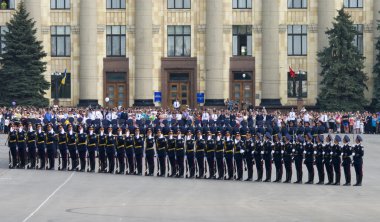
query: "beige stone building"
239, 49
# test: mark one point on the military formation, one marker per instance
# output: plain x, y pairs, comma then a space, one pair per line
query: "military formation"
218, 150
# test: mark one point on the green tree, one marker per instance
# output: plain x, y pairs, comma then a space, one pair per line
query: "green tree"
376, 72
343, 80
22, 66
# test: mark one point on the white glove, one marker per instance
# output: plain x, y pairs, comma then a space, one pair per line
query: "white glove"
253, 152
293, 150
323, 153
304, 152
353, 154
282, 151
272, 151
262, 152
315, 152
341, 154
241, 151
331, 153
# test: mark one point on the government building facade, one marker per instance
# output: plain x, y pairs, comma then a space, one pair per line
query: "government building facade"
138, 52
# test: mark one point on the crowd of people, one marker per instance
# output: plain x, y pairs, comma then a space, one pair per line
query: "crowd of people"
210, 143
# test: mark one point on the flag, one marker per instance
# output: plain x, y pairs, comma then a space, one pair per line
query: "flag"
292, 73
63, 81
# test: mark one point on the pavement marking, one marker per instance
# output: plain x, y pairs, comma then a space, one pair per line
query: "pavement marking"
50, 196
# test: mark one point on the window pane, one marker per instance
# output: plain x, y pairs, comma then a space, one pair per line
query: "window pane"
178, 4
249, 45
187, 46
297, 3
115, 29
179, 46
297, 29
179, 29
109, 45
304, 45
297, 45
123, 47
360, 4
53, 30
171, 30
122, 30
67, 4
304, 3
290, 45
61, 46
249, 3
60, 3
234, 4
109, 31
187, 4
109, 3
171, 46
187, 30
67, 30
60, 30
11, 4
115, 3
68, 46
234, 45
170, 3
115, 45
122, 3
52, 4
290, 3
242, 4
53, 46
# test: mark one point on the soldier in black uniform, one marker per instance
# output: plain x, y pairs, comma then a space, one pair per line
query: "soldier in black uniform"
171, 154
180, 148
238, 156
102, 150
257, 154
91, 146
110, 142
139, 150
120, 150
346, 160
21, 145
200, 154
327, 152
31, 143
219, 154
358, 153
190, 153
229, 149
71, 145
277, 157
149, 153
161, 145
319, 159
298, 157
41, 137
129, 143
248, 154
51, 139
82, 148
287, 157
309, 158
62, 145
336, 161
12, 143
210, 154
267, 156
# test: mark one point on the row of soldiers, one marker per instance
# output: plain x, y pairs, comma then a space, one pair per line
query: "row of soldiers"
219, 155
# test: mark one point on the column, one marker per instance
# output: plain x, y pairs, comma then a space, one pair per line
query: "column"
326, 14
34, 9
88, 63
214, 53
270, 54
144, 53
376, 16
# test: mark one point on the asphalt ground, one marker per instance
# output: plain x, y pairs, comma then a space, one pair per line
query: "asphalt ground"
33, 195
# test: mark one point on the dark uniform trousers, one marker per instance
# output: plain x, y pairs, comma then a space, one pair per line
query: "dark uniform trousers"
50, 149
41, 154
329, 169
210, 155
13, 149
268, 166
102, 157
358, 165
139, 155
91, 155
22, 153
249, 160
82, 151
321, 170
219, 162
278, 164
239, 165
63, 150
288, 167
336, 161
32, 153
120, 151
346, 163
229, 162
190, 162
162, 160
149, 153
130, 162
298, 165
110, 151
180, 164
73, 156
171, 155
200, 155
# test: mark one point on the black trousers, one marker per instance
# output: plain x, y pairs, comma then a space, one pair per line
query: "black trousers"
320, 169
347, 169
13, 150
162, 162
32, 155
259, 168
229, 162
288, 168
63, 151
210, 163
139, 158
310, 169
329, 170
41, 155
220, 165
111, 159
239, 166
73, 157
102, 158
268, 168
249, 161
82, 151
336, 165
180, 165
200, 162
298, 166
150, 161
190, 162
279, 170
22, 154
171, 155
50, 150
121, 159
130, 161
358, 165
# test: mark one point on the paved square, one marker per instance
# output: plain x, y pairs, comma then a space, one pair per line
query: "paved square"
31, 195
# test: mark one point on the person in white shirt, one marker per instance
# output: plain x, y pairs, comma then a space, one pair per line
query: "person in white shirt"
306, 117
205, 116
178, 116
176, 104
292, 116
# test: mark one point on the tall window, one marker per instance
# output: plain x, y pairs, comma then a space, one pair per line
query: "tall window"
64, 91
297, 40
115, 4
7, 4
294, 84
358, 40
60, 4
179, 4
3, 30
353, 3
297, 3
241, 4
115, 40
179, 40
60, 41
242, 40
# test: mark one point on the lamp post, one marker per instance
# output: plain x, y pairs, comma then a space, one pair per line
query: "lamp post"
300, 101
56, 76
